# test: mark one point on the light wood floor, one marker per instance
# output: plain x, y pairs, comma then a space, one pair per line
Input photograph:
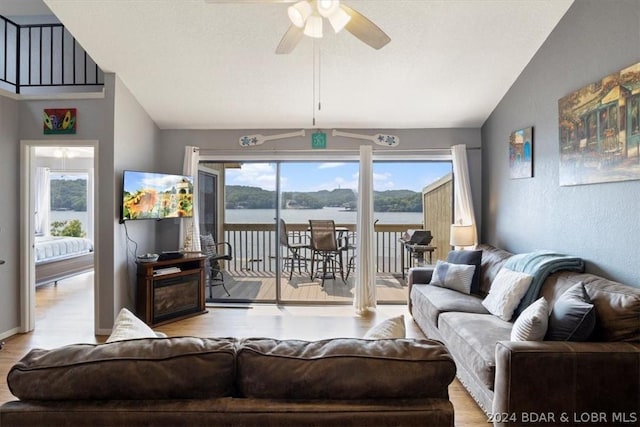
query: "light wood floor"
65, 316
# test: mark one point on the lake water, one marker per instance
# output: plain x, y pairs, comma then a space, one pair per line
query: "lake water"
69, 215
302, 216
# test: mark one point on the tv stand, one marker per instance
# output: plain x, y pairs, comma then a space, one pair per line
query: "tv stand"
171, 289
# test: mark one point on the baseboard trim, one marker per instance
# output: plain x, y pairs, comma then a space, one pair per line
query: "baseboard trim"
9, 333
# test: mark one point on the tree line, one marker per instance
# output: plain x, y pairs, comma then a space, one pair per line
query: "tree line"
68, 194
247, 197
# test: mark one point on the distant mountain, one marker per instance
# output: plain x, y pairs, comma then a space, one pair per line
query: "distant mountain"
246, 197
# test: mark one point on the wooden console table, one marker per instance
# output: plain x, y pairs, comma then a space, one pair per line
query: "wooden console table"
170, 290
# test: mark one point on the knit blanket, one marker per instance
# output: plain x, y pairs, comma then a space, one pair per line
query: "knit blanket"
540, 264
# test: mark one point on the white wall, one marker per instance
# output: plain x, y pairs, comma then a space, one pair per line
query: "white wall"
599, 222
9, 220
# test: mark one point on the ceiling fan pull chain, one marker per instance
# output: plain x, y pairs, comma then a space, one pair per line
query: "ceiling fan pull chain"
319, 78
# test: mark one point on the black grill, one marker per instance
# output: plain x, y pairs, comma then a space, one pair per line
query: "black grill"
417, 237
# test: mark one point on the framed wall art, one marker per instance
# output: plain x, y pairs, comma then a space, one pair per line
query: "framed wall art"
521, 153
599, 130
59, 121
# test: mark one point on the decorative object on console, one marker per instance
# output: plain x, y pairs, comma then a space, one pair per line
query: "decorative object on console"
453, 276
388, 329
378, 138
599, 129
521, 153
259, 139
532, 323
573, 316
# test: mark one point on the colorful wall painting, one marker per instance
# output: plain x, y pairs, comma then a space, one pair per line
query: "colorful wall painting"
521, 153
599, 130
58, 121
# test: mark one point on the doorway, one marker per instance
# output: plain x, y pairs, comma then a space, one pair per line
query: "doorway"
58, 243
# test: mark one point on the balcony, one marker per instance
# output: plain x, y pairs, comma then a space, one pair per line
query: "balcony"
251, 275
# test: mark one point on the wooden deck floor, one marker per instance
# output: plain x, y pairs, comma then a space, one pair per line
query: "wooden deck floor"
261, 286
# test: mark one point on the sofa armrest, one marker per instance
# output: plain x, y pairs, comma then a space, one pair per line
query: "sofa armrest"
416, 276
566, 383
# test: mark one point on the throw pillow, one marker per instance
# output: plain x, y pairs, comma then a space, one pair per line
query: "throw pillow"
532, 323
507, 289
390, 328
453, 276
127, 326
470, 258
573, 317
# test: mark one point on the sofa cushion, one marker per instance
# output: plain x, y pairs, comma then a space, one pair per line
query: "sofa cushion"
468, 257
343, 368
434, 300
471, 338
127, 326
572, 316
492, 261
453, 276
387, 329
617, 306
156, 368
505, 294
532, 324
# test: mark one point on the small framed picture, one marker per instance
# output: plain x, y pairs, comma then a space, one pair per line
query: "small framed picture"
58, 121
521, 153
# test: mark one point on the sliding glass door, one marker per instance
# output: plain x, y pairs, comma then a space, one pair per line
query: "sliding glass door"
264, 209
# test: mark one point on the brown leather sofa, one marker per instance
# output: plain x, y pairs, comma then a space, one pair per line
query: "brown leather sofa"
188, 381
538, 382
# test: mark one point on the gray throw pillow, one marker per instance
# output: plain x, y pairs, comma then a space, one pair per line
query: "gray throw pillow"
469, 258
573, 316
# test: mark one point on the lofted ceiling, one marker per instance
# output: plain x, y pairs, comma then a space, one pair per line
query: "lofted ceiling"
194, 64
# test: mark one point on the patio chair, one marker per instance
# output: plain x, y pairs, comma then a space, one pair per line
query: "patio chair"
211, 249
294, 250
324, 243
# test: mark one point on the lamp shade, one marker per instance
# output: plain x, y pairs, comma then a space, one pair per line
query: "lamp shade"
299, 12
313, 28
339, 19
461, 235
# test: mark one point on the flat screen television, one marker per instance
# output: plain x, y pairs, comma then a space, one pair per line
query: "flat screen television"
148, 195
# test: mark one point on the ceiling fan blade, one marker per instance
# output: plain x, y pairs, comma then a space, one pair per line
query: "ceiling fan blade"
290, 40
364, 29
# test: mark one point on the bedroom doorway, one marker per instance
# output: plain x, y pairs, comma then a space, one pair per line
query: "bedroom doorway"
58, 244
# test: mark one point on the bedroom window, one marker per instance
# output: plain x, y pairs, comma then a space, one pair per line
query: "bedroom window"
69, 214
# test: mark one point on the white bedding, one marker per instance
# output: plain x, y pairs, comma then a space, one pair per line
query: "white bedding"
50, 248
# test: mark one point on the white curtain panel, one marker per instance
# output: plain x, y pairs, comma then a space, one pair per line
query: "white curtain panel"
42, 201
463, 203
365, 286
191, 225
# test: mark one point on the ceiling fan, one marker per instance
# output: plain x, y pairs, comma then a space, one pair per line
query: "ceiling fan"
307, 19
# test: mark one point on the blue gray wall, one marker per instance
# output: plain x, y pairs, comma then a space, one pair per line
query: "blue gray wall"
599, 222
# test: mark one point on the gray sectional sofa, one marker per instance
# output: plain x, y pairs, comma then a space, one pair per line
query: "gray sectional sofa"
188, 381
596, 382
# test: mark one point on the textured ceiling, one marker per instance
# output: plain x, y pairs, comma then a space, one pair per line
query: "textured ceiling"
194, 64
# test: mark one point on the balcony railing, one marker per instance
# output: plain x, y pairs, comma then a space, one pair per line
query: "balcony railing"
255, 246
44, 56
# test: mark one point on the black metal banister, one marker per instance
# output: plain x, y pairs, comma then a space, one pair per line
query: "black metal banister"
41, 51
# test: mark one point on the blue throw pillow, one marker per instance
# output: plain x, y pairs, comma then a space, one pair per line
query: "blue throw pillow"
469, 258
573, 316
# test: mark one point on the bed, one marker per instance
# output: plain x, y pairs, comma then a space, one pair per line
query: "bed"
59, 257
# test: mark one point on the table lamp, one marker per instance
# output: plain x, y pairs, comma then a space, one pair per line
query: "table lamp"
461, 235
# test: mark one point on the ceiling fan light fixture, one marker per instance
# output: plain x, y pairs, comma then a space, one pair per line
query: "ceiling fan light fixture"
327, 8
339, 19
313, 28
299, 13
